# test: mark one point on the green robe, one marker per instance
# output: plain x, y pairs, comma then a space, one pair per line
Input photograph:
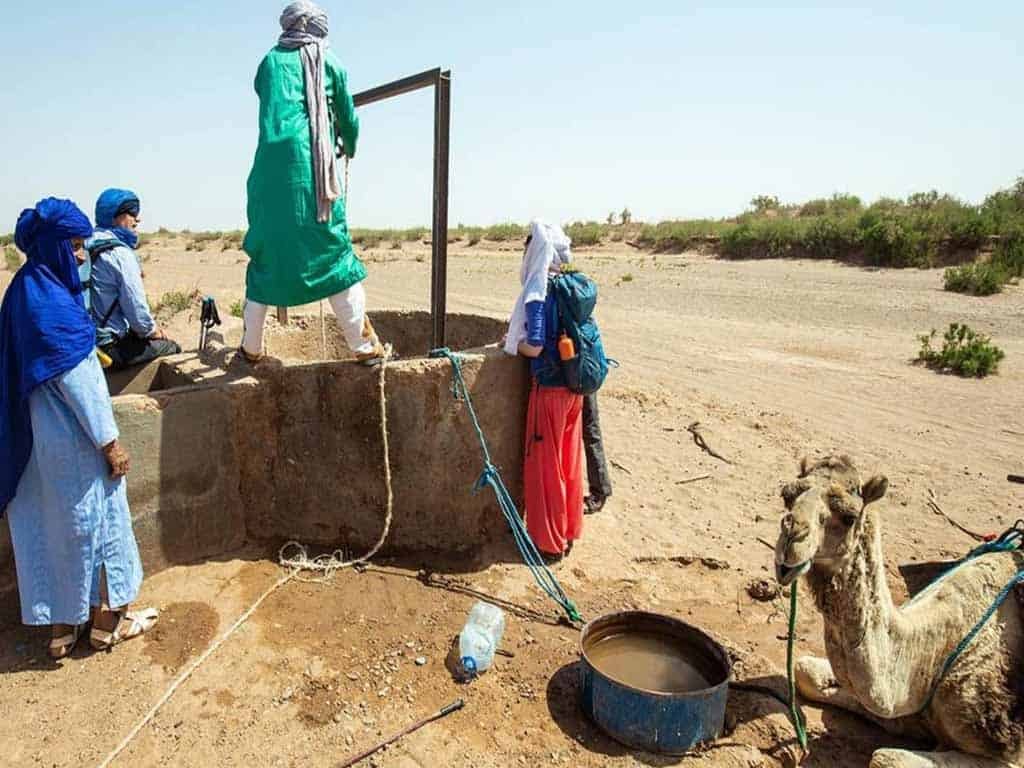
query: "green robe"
294, 259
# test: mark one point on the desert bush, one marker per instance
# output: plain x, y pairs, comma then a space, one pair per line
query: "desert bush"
12, 258
964, 352
6, 240
504, 232
678, 236
763, 203
975, 279
626, 278
1009, 254
237, 308
585, 233
173, 302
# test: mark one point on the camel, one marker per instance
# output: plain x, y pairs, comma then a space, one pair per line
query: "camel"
884, 660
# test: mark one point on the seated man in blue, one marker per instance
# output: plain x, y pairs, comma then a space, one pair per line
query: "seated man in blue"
125, 328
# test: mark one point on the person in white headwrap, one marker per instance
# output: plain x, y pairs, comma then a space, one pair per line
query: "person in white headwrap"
298, 241
553, 474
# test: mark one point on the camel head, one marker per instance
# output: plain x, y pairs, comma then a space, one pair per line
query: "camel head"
824, 514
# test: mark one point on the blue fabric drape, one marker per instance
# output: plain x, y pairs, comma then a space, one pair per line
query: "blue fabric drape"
45, 329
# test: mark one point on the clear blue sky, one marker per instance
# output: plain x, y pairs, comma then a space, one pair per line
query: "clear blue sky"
564, 109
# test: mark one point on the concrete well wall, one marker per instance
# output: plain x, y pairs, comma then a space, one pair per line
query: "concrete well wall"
295, 451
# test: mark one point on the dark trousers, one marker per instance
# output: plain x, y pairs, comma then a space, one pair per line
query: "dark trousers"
598, 478
134, 350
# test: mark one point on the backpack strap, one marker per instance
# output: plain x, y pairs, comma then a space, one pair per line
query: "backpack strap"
94, 255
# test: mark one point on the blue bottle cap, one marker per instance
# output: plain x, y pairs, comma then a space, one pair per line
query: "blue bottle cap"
469, 664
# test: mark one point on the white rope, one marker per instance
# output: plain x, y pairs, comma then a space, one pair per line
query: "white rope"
325, 564
184, 676
323, 333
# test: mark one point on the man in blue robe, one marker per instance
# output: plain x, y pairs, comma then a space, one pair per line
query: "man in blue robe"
61, 465
126, 330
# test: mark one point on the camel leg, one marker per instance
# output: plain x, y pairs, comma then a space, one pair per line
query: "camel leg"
905, 758
816, 682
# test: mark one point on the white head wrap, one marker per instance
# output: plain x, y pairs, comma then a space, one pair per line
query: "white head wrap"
548, 250
305, 28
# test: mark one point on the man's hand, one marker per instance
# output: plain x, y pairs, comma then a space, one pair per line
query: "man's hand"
117, 458
158, 334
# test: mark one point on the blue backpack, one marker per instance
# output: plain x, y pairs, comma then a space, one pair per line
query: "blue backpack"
575, 299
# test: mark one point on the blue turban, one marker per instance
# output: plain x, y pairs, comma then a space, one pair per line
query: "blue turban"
44, 328
111, 204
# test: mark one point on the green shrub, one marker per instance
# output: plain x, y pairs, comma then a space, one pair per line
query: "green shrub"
890, 239
173, 302
585, 233
763, 203
678, 236
237, 308
504, 232
12, 258
964, 352
626, 278
1009, 254
975, 279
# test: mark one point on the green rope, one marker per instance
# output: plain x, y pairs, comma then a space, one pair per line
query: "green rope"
795, 715
490, 476
1009, 541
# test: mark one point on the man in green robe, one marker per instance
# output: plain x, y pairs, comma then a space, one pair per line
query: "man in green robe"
298, 241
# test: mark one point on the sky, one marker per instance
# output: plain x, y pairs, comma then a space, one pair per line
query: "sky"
562, 109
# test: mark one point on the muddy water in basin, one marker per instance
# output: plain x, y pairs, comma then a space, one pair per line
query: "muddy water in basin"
649, 661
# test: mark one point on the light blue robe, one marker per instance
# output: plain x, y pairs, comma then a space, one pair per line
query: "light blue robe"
69, 517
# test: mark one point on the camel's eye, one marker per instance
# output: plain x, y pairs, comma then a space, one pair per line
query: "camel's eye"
849, 520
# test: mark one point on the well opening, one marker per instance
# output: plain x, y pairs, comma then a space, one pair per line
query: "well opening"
408, 332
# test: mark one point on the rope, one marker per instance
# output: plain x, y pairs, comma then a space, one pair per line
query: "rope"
491, 477
184, 676
1010, 541
795, 715
963, 644
325, 564
323, 333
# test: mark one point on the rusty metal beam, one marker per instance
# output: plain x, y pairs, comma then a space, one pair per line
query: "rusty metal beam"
439, 239
441, 81
426, 79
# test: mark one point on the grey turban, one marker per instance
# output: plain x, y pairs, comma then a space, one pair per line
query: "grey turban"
304, 17
305, 28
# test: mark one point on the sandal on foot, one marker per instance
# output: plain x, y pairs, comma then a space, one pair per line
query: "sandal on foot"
372, 358
250, 358
62, 647
130, 624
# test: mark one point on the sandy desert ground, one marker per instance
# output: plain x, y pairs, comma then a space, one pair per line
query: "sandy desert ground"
775, 359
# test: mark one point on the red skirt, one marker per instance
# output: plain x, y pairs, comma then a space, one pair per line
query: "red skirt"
553, 474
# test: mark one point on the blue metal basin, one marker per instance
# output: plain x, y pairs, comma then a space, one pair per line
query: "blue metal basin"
671, 723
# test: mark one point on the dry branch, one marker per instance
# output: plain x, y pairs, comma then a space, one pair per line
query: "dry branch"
698, 438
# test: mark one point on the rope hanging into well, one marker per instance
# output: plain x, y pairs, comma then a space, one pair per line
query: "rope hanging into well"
299, 562
490, 476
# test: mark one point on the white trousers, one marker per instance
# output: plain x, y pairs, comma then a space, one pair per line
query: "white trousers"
349, 309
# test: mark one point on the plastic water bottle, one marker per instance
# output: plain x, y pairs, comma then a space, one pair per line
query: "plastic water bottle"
480, 638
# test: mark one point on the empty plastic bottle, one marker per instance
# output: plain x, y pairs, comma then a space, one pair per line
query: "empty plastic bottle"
480, 638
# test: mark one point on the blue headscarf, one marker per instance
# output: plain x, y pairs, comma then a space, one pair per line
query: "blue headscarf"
111, 204
44, 328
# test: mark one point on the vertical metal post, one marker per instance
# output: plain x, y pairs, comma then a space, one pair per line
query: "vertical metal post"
439, 256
